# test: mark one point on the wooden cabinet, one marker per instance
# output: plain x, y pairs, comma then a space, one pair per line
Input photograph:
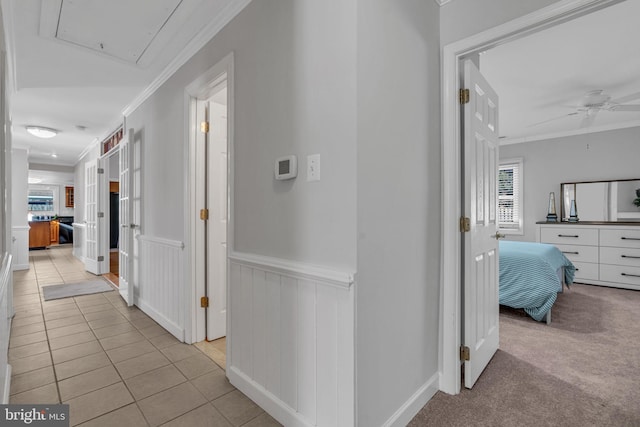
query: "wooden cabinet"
68, 197
39, 234
54, 231
606, 255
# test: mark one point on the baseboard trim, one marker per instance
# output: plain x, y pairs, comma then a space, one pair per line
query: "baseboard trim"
267, 401
411, 407
173, 329
17, 267
7, 385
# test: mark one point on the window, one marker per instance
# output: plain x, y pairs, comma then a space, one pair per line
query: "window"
510, 196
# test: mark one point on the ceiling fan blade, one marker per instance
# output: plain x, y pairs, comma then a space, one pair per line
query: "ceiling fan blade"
633, 107
627, 98
553, 119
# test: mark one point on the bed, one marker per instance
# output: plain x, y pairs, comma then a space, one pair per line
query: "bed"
531, 275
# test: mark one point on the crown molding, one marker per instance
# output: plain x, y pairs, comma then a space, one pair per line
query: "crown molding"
197, 43
441, 2
575, 132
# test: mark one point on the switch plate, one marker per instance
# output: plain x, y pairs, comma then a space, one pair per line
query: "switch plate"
313, 167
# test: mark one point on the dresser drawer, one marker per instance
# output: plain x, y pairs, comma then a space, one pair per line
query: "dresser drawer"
624, 238
569, 236
620, 274
620, 256
586, 271
579, 253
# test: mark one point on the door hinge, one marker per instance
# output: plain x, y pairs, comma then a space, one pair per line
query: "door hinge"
464, 96
204, 127
204, 214
100, 258
100, 170
204, 302
100, 214
465, 224
464, 353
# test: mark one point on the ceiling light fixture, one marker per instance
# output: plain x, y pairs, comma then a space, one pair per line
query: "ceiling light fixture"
41, 132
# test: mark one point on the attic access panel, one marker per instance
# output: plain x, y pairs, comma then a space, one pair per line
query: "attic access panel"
122, 29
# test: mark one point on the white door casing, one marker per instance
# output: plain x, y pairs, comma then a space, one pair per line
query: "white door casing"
91, 209
126, 219
217, 224
480, 247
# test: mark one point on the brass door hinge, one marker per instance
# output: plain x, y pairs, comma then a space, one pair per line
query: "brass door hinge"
204, 127
204, 214
464, 96
204, 302
465, 224
464, 353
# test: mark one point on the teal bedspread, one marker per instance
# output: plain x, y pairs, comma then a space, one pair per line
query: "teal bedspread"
529, 276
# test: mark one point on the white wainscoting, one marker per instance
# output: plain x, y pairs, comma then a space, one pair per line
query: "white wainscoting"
6, 312
159, 291
20, 247
290, 342
78, 240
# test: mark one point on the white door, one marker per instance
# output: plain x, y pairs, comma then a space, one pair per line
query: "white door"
125, 240
217, 224
480, 244
92, 262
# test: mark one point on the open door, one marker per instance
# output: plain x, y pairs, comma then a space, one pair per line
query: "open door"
217, 225
480, 241
92, 209
126, 225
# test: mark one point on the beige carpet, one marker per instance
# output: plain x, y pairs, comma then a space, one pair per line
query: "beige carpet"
582, 370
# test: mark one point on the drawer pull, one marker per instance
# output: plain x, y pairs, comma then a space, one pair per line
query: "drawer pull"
572, 235
575, 253
631, 275
630, 256
630, 238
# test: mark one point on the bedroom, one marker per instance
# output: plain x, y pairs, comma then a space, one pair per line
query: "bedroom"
608, 154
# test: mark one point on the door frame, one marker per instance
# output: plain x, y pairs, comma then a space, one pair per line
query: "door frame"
450, 282
105, 225
202, 88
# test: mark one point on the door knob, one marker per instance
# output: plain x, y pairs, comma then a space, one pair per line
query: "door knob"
499, 236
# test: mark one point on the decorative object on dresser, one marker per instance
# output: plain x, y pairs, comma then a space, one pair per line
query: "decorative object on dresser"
552, 216
605, 254
573, 212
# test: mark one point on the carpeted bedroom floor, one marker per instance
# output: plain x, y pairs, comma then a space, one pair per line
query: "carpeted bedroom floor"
581, 370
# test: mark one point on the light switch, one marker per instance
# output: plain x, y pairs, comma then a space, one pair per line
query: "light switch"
313, 167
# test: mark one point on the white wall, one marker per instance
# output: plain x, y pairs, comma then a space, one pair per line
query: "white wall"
590, 157
399, 208
463, 18
19, 209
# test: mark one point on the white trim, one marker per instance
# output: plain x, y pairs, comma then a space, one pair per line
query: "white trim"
266, 400
222, 19
575, 132
450, 308
7, 385
519, 161
442, 2
202, 88
20, 227
10, 46
339, 279
411, 407
163, 321
161, 241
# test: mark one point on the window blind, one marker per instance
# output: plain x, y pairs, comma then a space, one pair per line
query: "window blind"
509, 198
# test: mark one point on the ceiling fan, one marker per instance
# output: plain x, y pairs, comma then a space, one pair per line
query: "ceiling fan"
595, 101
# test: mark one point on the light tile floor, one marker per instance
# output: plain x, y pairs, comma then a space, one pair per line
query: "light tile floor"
112, 364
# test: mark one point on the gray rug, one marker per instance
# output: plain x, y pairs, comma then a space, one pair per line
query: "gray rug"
74, 289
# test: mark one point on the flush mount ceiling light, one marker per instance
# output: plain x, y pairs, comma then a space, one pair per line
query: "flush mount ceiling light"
41, 132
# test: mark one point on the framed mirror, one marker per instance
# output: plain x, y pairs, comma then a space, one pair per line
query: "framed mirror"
601, 201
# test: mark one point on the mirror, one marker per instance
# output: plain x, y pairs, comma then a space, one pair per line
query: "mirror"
602, 201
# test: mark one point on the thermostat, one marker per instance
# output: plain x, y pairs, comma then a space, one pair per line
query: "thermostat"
286, 168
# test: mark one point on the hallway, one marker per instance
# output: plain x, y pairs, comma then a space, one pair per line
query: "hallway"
112, 364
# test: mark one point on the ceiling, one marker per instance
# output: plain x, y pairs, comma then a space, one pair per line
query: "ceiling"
543, 77
76, 65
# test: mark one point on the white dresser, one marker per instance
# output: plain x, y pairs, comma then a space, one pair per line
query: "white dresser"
607, 255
